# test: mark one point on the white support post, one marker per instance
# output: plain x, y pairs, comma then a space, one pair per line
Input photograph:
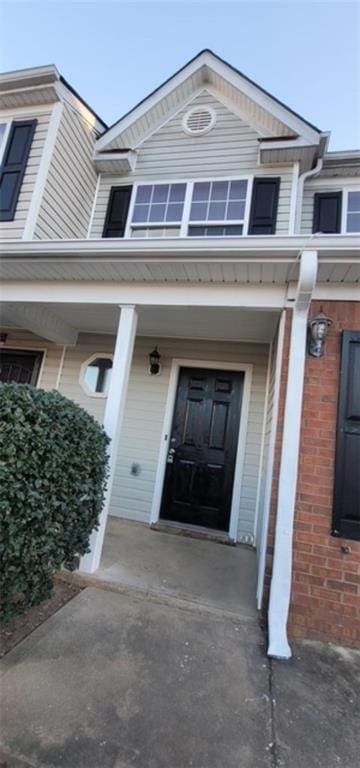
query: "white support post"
113, 418
280, 590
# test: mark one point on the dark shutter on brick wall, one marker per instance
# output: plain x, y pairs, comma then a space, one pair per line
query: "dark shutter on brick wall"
327, 212
14, 165
264, 205
346, 517
117, 212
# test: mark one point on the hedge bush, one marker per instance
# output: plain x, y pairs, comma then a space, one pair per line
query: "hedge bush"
53, 466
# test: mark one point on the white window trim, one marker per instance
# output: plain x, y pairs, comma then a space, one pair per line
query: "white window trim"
7, 124
344, 211
177, 363
185, 222
84, 366
18, 346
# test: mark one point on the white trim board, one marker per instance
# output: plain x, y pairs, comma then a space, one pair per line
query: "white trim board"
178, 363
204, 64
43, 170
270, 462
19, 347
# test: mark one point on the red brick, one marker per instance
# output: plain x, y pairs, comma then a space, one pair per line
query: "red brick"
330, 610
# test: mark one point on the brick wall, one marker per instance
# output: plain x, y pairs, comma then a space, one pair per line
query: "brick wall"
325, 600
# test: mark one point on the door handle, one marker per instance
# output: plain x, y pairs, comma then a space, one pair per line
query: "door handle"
170, 456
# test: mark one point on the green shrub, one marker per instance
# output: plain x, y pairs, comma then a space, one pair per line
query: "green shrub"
53, 466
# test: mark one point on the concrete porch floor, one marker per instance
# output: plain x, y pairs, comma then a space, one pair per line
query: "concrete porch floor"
203, 572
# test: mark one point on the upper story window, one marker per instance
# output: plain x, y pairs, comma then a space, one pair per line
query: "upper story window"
353, 212
157, 204
15, 143
337, 212
217, 203
214, 208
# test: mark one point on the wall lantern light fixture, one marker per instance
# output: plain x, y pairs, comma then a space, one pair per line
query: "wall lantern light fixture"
154, 363
318, 330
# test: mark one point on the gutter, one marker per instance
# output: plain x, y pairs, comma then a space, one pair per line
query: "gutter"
280, 589
258, 248
300, 190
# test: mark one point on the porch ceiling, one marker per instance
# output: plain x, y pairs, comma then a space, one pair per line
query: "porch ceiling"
186, 322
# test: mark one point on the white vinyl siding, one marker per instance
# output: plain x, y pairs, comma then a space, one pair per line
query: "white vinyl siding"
310, 190
229, 150
14, 229
69, 191
267, 436
307, 213
144, 415
88, 345
145, 410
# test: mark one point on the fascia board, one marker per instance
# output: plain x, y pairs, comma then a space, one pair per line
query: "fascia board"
267, 102
65, 94
276, 248
149, 102
18, 79
208, 60
127, 160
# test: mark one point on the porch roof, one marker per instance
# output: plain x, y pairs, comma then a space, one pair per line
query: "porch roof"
61, 323
263, 259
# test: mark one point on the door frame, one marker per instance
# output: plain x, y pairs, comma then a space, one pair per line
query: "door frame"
219, 365
31, 350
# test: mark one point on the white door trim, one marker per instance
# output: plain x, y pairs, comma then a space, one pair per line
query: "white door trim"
19, 347
178, 363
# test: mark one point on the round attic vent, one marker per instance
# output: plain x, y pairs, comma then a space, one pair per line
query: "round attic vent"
199, 120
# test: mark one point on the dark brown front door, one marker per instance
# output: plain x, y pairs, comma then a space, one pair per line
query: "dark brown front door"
202, 448
19, 367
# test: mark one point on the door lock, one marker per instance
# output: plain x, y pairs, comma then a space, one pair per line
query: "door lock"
170, 457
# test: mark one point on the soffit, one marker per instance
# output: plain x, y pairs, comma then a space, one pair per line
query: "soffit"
171, 322
207, 70
28, 97
168, 106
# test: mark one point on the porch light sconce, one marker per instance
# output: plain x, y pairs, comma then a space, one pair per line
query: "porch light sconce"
318, 331
154, 363
3, 339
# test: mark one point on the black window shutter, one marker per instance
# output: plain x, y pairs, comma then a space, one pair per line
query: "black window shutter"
264, 204
346, 514
13, 166
117, 211
327, 212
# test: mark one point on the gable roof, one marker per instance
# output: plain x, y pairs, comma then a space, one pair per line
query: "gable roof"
205, 70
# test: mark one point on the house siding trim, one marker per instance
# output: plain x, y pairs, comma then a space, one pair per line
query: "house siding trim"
281, 577
43, 171
270, 459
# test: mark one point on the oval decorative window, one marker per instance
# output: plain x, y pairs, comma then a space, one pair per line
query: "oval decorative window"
199, 120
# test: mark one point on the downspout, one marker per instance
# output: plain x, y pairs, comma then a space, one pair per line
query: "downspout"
280, 589
300, 191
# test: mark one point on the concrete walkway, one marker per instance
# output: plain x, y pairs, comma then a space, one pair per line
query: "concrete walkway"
113, 682
204, 572
117, 682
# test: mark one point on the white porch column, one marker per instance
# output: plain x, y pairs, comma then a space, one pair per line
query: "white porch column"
280, 589
113, 418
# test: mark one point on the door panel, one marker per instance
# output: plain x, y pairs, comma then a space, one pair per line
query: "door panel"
202, 449
19, 367
346, 513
